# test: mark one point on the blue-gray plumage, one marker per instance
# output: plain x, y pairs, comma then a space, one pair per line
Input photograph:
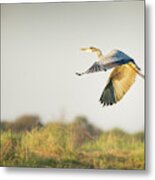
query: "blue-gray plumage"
121, 78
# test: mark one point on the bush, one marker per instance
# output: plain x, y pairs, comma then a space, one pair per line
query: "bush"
23, 123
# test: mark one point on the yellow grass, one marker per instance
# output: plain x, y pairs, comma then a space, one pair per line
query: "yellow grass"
74, 145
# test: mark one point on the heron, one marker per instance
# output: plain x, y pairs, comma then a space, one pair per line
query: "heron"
121, 78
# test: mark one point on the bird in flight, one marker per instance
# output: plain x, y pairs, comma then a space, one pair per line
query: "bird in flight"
121, 78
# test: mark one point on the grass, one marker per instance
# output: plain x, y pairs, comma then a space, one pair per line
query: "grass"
74, 145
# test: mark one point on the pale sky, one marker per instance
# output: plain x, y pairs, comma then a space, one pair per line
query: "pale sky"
40, 53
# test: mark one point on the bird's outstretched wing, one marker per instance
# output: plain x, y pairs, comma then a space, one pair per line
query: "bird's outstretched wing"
114, 59
121, 79
96, 67
104, 66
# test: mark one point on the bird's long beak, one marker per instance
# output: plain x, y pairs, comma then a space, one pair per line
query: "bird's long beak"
86, 49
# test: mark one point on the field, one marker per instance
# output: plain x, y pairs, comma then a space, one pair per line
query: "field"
70, 145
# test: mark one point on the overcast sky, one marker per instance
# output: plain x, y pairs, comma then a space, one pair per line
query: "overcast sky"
40, 53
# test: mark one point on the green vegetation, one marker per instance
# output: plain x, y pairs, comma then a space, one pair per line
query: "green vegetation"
74, 145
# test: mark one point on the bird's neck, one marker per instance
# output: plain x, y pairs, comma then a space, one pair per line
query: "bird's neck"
100, 55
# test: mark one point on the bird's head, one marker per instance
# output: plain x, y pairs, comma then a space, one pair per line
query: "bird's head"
90, 49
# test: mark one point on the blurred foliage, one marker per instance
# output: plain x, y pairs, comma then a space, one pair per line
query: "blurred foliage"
27, 142
23, 123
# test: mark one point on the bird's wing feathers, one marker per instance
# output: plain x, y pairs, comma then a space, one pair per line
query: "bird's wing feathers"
113, 59
117, 57
108, 97
121, 79
96, 67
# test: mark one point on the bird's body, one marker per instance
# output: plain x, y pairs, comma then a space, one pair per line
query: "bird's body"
121, 78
